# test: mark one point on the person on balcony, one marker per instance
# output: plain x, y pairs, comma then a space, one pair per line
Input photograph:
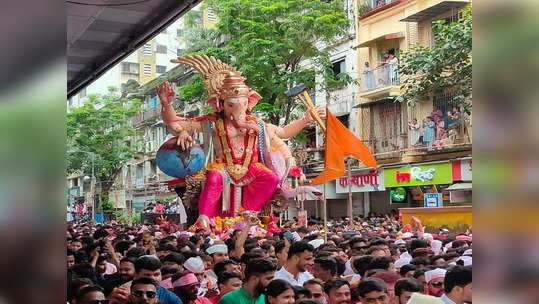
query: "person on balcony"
368, 76
393, 65
428, 132
414, 132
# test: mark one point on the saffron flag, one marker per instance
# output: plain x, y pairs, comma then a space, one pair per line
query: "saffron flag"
340, 142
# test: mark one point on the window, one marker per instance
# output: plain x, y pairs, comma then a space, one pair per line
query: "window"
129, 67
344, 119
160, 69
211, 14
147, 69
83, 92
70, 101
161, 49
382, 128
339, 67
147, 49
448, 20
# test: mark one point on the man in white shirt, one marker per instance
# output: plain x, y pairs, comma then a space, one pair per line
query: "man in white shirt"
458, 285
300, 257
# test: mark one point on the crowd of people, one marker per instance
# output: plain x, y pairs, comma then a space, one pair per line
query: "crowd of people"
374, 260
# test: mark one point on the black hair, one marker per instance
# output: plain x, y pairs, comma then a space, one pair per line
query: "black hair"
362, 264
168, 270
457, 276
299, 247
458, 243
334, 283
279, 246
70, 252
195, 238
224, 276
131, 260
122, 246
341, 266
373, 249
300, 290
147, 262
266, 245
277, 287
308, 302
354, 240
100, 233
314, 281
406, 268
84, 270
419, 272
246, 257
417, 243
302, 229
167, 247
74, 286
86, 290
174, 257
221, 266
377, 242
259, 266
381, 262
188, 244
408, 284
193, 254
144, 281
250, 246
135, 252
230, 244
327, 263
369, 285
421, 260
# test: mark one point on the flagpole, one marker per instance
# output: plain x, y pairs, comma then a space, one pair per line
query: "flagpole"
325, 211
350, 205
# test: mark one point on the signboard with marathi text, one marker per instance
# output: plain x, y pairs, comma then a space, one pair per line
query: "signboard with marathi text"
416, 175
361, 182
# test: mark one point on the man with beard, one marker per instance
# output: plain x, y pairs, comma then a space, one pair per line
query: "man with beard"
373, 290
125, 273
435, 282
338, 291
300, 257
143, 291
258, 274
404, 288
186, 287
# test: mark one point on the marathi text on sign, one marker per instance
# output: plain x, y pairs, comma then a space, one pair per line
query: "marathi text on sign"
360, 180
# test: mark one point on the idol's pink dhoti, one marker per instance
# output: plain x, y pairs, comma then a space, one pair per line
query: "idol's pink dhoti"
257, 187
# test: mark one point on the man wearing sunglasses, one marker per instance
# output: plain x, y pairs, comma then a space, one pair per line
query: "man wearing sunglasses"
143, 291
435, 281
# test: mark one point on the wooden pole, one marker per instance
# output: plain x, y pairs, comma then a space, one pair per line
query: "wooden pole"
350, 205
325, 211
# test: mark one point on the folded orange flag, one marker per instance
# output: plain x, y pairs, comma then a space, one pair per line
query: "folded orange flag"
340, 142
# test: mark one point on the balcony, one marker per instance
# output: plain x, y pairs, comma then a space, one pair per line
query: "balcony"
439, 127
382, 80
144, 116
371, 7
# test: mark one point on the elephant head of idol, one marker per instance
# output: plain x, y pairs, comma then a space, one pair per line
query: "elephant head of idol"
238, 100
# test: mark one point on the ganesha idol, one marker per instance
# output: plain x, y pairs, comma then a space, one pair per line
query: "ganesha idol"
247, 161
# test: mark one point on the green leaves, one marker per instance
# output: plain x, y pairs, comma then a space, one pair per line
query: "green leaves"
101, 128
267, 40
428, 71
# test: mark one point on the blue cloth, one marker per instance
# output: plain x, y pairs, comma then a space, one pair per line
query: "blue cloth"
428, 132
167, 297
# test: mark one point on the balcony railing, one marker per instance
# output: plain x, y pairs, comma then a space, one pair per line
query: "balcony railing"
386, 75
145, 115
368, 6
